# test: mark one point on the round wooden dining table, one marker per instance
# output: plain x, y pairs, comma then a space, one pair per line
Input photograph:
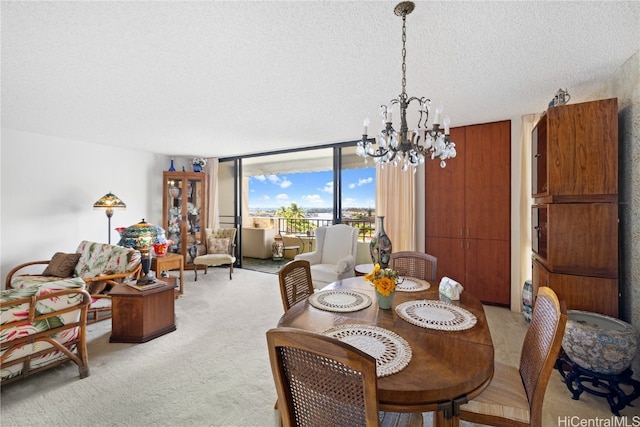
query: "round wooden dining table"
447, 368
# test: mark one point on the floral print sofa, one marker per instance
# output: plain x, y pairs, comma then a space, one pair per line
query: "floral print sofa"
94, 263
42, 326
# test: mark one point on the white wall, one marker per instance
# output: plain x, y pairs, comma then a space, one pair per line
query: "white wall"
49, 186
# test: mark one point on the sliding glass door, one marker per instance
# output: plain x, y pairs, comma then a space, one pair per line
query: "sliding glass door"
287, 195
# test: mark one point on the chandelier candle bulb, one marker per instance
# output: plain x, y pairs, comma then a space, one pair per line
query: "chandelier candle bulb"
366, 125
446, 122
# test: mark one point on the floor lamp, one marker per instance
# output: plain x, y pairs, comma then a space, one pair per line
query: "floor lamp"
109, 201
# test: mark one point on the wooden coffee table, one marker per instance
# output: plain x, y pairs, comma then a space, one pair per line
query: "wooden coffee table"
140, 316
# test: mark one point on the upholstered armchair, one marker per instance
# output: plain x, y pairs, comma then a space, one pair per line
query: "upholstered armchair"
335, 254
220, 244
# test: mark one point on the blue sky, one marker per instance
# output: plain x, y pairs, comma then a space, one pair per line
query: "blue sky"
313, 189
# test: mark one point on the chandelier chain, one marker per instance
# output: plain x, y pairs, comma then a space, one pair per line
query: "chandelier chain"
404, 55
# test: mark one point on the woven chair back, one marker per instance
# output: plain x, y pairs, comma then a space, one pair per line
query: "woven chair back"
540, 349
415, 264
322, 381
295, 282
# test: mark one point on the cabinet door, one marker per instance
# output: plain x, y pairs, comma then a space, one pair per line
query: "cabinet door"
488, 270
444, 192
184, 212
488, 181
450, 254
583, 149
172, 211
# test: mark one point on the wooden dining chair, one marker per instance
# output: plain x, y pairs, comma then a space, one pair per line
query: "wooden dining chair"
322, 381
415, 264
295, 282
515, 395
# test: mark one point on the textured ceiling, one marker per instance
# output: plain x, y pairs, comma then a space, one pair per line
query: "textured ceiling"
227, 78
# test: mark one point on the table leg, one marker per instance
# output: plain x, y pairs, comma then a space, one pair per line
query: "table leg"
447, 415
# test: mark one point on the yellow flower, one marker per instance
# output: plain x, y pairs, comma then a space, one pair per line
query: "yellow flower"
384, 280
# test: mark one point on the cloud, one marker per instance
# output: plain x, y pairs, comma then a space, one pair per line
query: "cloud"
274, 179
361, 182
282, 197
285, 183
328, 188
314, 200
260, 178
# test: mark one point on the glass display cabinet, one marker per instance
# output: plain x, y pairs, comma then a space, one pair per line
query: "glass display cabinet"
184, 212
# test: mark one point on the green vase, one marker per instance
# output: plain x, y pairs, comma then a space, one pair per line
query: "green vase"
384, 302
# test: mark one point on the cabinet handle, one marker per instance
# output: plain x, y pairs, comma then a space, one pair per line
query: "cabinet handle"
538, 155
462, 232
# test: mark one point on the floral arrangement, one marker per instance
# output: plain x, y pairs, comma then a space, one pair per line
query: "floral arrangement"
200, 161
384, 279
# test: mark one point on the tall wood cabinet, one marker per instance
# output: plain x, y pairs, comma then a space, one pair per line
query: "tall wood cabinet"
184, 212
575, 212
468, 211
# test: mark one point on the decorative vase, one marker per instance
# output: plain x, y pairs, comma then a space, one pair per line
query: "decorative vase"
171, 168
197, 168
527, 300
384, 302
277, 248
380, 246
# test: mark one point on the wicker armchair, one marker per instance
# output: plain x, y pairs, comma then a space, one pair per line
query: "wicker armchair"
515, 396
220, 244
415, 264
295, 282
322, 381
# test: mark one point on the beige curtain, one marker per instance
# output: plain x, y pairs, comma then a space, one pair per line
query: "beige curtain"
213, 215
528, 122
396, 201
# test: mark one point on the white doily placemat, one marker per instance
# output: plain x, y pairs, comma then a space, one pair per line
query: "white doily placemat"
411, 284
434, 314
340, 300
392, 352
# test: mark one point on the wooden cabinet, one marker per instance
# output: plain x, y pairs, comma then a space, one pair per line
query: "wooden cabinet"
468, 211
575, 153
575, 211
184, 212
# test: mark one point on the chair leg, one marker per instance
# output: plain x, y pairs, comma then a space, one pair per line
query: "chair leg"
230, 271
195, 269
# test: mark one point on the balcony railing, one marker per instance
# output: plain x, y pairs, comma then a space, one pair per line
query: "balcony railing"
308, 225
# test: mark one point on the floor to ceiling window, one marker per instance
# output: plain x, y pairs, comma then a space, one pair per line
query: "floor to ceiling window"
292, 193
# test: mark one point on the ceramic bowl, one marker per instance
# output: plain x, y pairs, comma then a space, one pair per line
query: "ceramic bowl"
599, 343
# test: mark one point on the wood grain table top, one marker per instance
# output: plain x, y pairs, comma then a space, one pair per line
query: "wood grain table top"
445, 365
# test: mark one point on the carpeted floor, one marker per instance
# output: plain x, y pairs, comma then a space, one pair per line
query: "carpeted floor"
214, 369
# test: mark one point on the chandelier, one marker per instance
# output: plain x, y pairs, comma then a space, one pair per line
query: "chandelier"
405, 146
